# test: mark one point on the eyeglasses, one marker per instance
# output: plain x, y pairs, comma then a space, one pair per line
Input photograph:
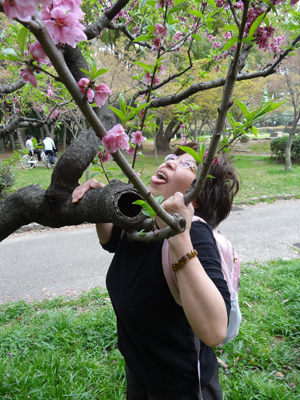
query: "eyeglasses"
182, 163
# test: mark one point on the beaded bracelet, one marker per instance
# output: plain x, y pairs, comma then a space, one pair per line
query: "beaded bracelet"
184, 260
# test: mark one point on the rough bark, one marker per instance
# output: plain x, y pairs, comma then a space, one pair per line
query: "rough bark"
54, 208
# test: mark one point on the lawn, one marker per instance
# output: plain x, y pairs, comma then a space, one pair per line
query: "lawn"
260, 175
66, 348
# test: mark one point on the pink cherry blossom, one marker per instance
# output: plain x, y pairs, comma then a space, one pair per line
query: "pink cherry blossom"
65, 27
177, 36
50, 92
55, 113
160, 30
104, 156
21, 9
163, 3
182, 126
239, 5
137, 138
148, 78
29, 77
183, 139
38, 53
85, 89
102, 93
162, 70
115, 139
227, 35
131, 151
156, 42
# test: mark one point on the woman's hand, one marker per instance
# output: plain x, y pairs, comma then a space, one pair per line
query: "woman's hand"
175, 204
79, 192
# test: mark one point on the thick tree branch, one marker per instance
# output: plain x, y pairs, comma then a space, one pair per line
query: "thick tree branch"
93, 30
13, 87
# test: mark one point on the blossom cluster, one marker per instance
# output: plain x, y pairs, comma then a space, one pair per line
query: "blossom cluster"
116, 138
100, 94
22, 9
61, 17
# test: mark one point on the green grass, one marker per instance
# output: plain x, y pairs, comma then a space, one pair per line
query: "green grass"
261, 175
66, 348
264, 360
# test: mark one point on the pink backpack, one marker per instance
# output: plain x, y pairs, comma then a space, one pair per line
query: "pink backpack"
230, 264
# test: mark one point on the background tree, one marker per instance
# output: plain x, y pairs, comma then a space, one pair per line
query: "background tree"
287, 86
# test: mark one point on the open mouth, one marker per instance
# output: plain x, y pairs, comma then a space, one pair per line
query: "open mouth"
159, 178
162, 176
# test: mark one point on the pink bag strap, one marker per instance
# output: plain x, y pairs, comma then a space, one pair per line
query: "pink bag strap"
168, 272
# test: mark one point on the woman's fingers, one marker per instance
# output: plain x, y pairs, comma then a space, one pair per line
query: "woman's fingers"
79, 192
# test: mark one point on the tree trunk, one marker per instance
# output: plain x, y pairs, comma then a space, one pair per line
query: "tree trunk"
288, 158
163, 138
2, 146
21, 137
65, 139
12, 142
159, 123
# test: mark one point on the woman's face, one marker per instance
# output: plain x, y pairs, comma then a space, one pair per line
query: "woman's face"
170, 177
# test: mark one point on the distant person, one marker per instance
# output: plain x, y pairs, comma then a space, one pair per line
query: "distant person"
31, 149
50, 147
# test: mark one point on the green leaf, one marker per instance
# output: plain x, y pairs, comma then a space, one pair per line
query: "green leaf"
85, 71
100, 71
122, 103
197, 37
265, 99
243, 107
144, 38
231, 120
191, 152
196, 13
232, 28
146, 209
9, 54
254, 130
119, 113
146, 67
22, 37
159, 199
255, 25
231, 42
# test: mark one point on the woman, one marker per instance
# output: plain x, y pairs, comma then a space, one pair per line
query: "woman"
155, 334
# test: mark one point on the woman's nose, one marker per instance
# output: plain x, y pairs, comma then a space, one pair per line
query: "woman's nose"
171, 163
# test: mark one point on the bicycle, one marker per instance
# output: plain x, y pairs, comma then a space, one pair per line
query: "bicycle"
28, 161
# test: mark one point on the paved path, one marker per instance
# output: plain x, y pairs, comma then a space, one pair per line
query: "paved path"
46, 264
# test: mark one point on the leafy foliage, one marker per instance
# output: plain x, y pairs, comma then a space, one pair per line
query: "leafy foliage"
7, 178
278, 147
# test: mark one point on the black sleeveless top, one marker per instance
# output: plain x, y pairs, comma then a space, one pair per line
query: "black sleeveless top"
154, 335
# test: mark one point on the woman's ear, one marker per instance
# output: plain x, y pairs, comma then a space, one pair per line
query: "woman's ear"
195, 204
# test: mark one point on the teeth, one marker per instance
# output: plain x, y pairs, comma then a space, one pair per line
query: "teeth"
162, 175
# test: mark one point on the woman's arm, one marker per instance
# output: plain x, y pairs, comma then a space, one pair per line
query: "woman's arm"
103, 230
202, 302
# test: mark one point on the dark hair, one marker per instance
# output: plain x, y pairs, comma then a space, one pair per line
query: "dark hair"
47, 135
216, 197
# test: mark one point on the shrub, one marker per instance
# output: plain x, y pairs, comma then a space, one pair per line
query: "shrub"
278, 146
7, 178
